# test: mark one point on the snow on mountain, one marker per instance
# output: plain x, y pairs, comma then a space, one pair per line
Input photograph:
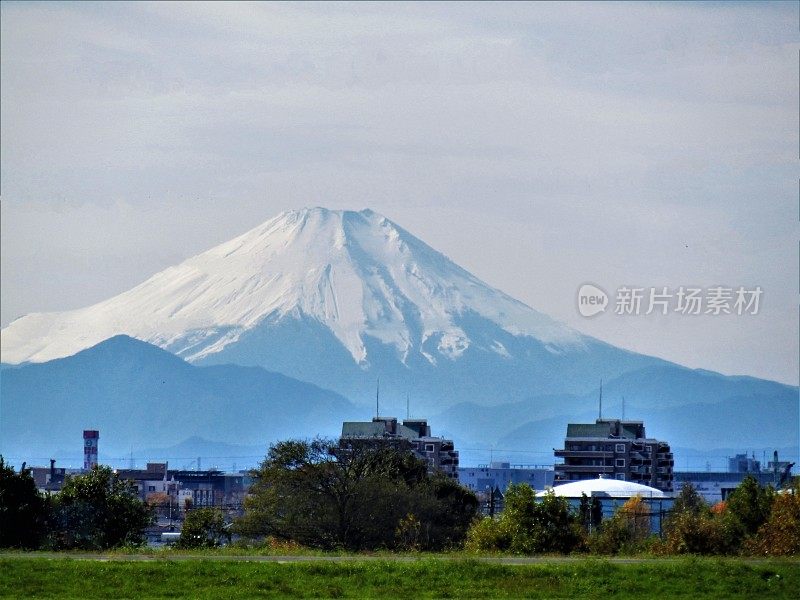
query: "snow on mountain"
357, 274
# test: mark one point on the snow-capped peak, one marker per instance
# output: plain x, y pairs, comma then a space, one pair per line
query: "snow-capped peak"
356, 273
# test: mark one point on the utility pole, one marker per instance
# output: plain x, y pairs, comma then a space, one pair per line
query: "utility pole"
600, 412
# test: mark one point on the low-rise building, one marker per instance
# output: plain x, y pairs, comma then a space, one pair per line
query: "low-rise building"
50, 479
715, 486
502, 474
200, 488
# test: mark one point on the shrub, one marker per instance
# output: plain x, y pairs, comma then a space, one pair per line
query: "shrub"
627, 531
487, 534
780, 534
528, 525
204, 528
695, 533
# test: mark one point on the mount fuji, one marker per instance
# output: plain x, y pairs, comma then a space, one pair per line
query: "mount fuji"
342, 299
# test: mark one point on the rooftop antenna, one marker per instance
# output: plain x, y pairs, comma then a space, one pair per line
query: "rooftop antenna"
600, 413
378, 398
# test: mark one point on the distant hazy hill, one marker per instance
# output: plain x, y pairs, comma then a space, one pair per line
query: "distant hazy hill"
141, 396
691, 409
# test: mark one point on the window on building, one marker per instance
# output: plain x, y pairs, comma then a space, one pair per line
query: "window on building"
621, 476
151, 488
429, 447
649, 448
620, 462
620, 448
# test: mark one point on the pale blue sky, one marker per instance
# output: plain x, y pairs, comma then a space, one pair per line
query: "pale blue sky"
538, 145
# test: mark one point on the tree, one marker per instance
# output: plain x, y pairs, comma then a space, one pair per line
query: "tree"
689, 501
326, 495
98, 510
694, 528
627, 530
204, 528
691, 527
590, 513
528, 525
596, 512
780, 534
747, 508
23, 510
445, 509
585, 512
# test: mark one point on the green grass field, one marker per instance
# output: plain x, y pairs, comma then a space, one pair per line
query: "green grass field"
63, 577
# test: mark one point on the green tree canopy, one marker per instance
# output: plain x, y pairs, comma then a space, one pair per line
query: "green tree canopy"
627, 531
23, 510
780, 533
748, 506
529, 525
204, 528
689, 501
324, 495
98, 510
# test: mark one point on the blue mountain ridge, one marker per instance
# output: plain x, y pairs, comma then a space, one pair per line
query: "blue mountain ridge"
140, 396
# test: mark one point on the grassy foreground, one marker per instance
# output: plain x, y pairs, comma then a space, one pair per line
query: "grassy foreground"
31, 577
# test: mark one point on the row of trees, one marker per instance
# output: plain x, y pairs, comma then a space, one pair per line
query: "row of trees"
361, 496
753, 520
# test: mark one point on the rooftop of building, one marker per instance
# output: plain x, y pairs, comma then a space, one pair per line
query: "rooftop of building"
389, 427
375, 429
612, 488
607, 429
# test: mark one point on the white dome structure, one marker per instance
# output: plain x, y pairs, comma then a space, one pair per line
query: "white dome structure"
609, 488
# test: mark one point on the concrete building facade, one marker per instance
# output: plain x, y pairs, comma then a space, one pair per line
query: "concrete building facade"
415, 434
615, 449
502, 474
